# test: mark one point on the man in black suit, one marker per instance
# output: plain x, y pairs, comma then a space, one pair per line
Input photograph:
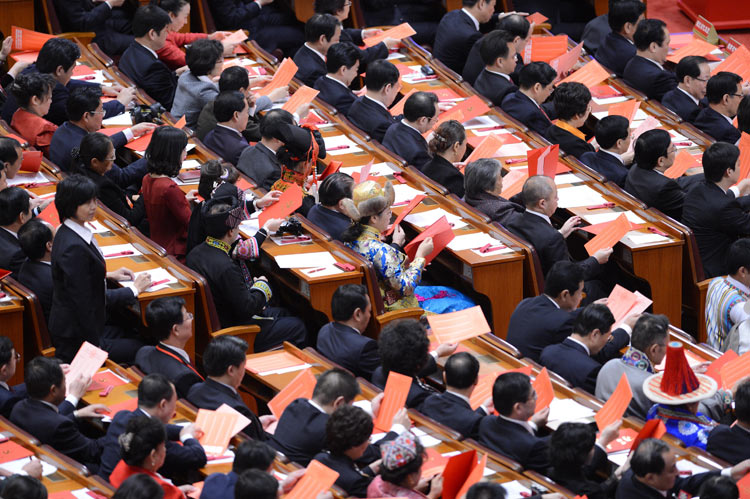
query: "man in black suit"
259, 162
520, 28
342, 66
140, 62
9, 395
534, 225
226, 140
321, 31
613, 136
688, 98
536, 82
249, 455
110, 21
157, 398
514, 432
370, 112
618, 47
716, 210
724, 93
11, 159
35, 237
224, 362
499, 56
452, 407
15, 210
458, 30
573, 106
645, 71
171, 325
405, 137
581, 355
328, 214
732, 443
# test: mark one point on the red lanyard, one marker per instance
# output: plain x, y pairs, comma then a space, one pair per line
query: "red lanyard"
180, 360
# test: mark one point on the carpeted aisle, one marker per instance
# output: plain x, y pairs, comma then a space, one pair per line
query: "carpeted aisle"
667, 11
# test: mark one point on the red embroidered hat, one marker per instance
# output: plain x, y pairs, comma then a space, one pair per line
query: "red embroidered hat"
678, 384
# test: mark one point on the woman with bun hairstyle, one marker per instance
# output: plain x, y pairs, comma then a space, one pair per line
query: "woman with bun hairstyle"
448, 146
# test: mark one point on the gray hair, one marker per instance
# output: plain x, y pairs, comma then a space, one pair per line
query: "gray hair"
481, 175
537, 188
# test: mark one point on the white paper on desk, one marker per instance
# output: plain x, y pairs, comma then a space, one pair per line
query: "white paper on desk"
242, 421
191, 164
403, 193
365, 405
111, 251
685, 465
579, 195
677, 136
305, 260
639, 238
26, 178
15, 466
514, 490
427, 218
567, 178
619, 457
488, 472
395, 55
338, 140
609, 100
563, 410
497, 131
97, 227
600, 218
228, 457
475, 240
519, 149
123, 119
376, 170
327, 270
47, 196
285, 370
640, 115
250, 227
424, 438
483, 121
157, 274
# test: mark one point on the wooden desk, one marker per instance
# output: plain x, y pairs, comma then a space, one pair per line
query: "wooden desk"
11, 318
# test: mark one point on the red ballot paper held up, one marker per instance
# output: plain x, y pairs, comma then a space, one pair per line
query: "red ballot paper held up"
141, 143
398, 108
301, 387
744, 145
332, 168
217, 430
284, 74
626, 109
616, 405
238, 36
396, 391
50, 215
474, 476
543, 161
620, 301
483, 390
26, 39
404, 212
181, 122
654, 428
303, 95
744, 485
545, 394
564, 63
11, 451
434, 463
546, 48
441, 234
609, 236
734, 370
456, 472
32, 160
290, 200
738, 62
590, 75
597, 229
536, 18
241, 422
487, 148
317, 478
464, 111
513, 182
397, 32
682, 163
457, 326
714, 370
624, 440
87, 361
30, 57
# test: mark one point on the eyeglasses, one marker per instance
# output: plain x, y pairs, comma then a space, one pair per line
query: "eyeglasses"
188, 318
97, 112
110, 159
17, 356
736, 95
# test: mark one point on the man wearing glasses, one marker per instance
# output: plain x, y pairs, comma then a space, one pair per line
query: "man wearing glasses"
688, 98
724, 94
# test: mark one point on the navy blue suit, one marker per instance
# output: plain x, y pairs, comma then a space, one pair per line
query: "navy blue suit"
730, 443
211, 395
370, 117
632, 488
681, 103
494, 86
310, 66
615, 53
349, 349
11, 254
260, 164
333, 222
353, 481
455, 35
130, 175
522, 108
37, 276
514, 441
151, 360
335, 93
717, 126
69, 136
9, 398
612, 168
407, 143
149, 73
454, 412
569, 143
646, 77
474, 64
219, 485
227, 143
657, 190
537, 322
111, 25
354, 36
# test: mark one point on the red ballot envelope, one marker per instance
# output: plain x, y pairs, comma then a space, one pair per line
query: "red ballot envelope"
130, 404
441, 234
445, 94
395, 393
111, 130
609, 236
591, 74
455, 327
217, 430
398, 32
32, 160
398, 108
543, 161
464, 111
604, 92
4, 273
738, 62
624, 440
620, 301
181, 122
627, 109
734, 370
513, 182
101, 380
682, 163
545, 394
11, 451
272, 362
456, 472
506, 138
714, 370
434, 463
30, 56
695, 47
744, 145
616, 405
141, 143
49, 215
536, 18
26, 39
546, 48
284, 74
412, 204
82, 70
301, 387
332, 168
87, 361
303, 95
318, 478
243, 184
290, 200
474, 476
364, 172
597, 229
654, 428
487, 148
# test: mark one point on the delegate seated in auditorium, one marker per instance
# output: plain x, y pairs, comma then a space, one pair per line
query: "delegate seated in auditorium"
171, 325
498, 51
618, 46
9, 396
196, 87
157, 399
719, 487
452, 407
724, 93
329, 213
580, 356
239, 297
33, 92
693, 73
422, 15
342, 67
36, 238
80, 300
613, 136
645, 71
405, 137
232, 113
370, 112
140, 62
536, 81
447, 146
730, 443
259, 162
483, 180
321, 31
725, 301
11, 159
110, 21
249, 455
516, 25
458, 30
716, 210
15, 211
514, 432
573, 106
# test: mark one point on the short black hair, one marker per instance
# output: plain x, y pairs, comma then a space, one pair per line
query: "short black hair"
348, 426
223, 352
495, 44
571, 99
649, 31
234, 78
162, 314
8, 150
164, 152
147, 18
42, 373
648, 330
719, 157
420, 104
721, 84
621, 13
649, 457
346, 299
57, 52
689, 66
569, 447
403, 347
610, 129
334, 188
228, 103
516, 25
139, 486
509, 389
83, 100
33, 237
341, 54
256, 484
28, 85
593, 316
650, 146
335, 383
399, 474
154, 388
253, 455
379, 74
273, 122
328, 6
535, 72
23, 487
72, 192
320, 25
742, 401
486, 490
202, 55
461, 370
563, 276
719, 487
6, 350
142, 435
13, 202
738, 255
171, 6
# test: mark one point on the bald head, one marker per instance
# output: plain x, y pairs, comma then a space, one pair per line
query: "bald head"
536, 189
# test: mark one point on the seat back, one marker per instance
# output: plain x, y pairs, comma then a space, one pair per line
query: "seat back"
101, 56
50, 17
206, 318
205, 19
36, 338
371, 278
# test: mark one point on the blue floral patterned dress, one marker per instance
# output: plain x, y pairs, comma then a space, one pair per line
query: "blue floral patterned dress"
692, 429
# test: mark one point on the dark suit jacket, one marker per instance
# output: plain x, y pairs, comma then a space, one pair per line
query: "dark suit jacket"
370, 117
335, 93
66, 137
717, 220
455, 35
219, 485
407, 143
498, 209
643, 75
260, 164
149, 73
112, 26
615, 53
548, 242
418, 391
333, 222
227, 143
453, 412
512, 440
211, 395
150, 361
681, 103
537, 322
569, 143
351, 350
301, 432
657, 190
354, 36
180, 458
612, 168
730, 443
631, 488
9, 398
443, 172
131, 175
11, 254
522, 108
233, 14
595, 32
716, 125
494, 86
113, 197
474, 64
350, 478
37, 276
310, 66
207, 122
584, 480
